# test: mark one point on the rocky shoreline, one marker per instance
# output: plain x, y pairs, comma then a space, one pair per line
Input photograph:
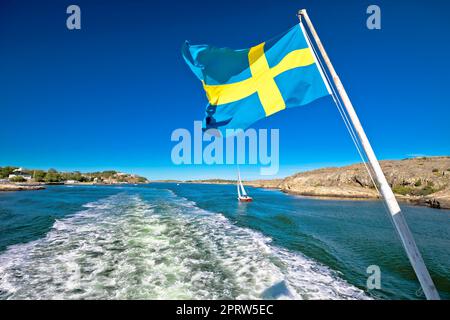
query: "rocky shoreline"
16, 187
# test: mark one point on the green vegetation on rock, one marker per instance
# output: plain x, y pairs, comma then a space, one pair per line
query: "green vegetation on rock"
407, 190
17, 179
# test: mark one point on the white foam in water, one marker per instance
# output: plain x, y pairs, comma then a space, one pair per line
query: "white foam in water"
123, 247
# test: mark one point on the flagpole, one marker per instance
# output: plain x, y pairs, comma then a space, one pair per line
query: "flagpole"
398, 219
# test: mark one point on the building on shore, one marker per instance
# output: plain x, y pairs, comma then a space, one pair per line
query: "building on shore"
20, 173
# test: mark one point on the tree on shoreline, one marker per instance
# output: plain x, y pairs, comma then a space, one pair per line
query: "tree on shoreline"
6, 171
52, 176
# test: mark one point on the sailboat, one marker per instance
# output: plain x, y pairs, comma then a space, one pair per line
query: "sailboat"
242, 194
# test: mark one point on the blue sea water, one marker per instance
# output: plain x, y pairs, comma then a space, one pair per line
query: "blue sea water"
195, 241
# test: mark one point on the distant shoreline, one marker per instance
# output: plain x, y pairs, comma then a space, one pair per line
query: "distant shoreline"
423, 181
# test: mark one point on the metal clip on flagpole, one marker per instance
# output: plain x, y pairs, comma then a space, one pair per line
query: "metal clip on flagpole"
399, 221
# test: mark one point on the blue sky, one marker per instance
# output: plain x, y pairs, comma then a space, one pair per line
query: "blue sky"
109, 95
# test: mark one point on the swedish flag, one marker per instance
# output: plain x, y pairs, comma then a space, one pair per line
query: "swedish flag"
244, 86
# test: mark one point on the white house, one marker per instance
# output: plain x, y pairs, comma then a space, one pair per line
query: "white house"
19, 173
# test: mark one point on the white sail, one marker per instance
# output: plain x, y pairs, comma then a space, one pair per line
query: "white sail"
242, 188
238, 189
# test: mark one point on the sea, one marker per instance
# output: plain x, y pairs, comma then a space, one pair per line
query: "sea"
196, 241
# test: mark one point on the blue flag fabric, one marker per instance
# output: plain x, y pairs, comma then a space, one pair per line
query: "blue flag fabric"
244, 86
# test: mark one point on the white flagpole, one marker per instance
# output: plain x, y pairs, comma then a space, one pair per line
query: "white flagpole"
394, 209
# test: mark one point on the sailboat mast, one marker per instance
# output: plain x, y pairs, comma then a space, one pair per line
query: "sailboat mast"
237, 184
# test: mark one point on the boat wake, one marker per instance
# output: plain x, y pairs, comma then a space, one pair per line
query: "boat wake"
129, 247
